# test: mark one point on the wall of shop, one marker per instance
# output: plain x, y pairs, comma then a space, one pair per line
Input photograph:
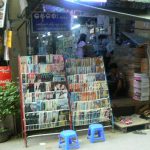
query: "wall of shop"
19, 36
18, 48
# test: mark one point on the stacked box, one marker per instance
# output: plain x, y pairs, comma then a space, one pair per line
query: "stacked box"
129, 62
144, 65
141, 87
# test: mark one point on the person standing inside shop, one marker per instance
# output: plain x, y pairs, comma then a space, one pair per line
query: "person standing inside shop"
81, 45
106, 49
116, 82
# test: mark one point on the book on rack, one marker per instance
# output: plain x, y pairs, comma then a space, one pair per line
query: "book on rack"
44, 91
89, 96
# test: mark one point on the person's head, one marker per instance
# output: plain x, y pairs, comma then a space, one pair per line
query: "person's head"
82, 37
113, 68
102, 37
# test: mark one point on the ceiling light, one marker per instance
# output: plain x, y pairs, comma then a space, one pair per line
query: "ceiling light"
75, 26
60, 36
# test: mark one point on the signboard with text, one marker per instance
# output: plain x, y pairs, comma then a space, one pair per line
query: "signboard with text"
45, 21
2, 12
5, 75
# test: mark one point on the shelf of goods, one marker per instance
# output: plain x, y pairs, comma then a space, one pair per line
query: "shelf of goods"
88, 90
44, 96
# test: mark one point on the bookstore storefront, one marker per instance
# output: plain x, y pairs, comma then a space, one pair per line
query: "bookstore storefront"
72, 71
61, 88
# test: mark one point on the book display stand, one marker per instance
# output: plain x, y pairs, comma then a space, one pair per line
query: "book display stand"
44, 95
89, 94
53, 90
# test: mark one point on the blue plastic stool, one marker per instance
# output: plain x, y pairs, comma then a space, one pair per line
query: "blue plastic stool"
96, 129
68, 139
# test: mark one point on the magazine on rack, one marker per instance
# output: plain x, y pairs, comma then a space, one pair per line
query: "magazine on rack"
44, 91
89, 90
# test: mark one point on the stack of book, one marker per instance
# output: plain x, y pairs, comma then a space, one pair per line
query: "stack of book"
141, 87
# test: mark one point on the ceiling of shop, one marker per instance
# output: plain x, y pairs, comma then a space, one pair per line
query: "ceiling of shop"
133, 10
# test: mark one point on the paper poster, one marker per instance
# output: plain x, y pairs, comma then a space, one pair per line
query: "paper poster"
2, 12
5, 75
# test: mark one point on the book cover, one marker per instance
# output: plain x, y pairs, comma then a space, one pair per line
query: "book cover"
30, 107
48, 59
31, 77
49, 117
25, 88
36, 87
32, 118
43, 68
41, 119
36, 68
63, 117
28, 97
60, 86
37, 78
24, 78
40, 106
98, 61
30, 68
35, 59
97, 104
23, 60
100, 77
48, 86
29, 59
58, 59
104, 102
61, 95
42, 59
46, 77
23, 68
42, 87
50, 95
59, 78
84, 96
55, 118
63, 104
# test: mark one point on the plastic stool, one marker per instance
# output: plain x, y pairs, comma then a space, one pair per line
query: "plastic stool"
96, 129
68, 139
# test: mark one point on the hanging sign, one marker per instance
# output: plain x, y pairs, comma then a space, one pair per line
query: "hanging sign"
9, 39
45, 21
2, 12
5, 75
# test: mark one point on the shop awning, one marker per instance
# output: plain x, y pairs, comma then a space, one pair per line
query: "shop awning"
114, 11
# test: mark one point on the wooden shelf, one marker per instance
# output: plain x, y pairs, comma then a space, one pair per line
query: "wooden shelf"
136, 39
136, 121
127, 102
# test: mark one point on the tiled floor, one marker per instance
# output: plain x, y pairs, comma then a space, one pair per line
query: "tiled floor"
114, 141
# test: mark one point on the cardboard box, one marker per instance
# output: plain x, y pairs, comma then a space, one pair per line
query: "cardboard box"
144, 65
142, 25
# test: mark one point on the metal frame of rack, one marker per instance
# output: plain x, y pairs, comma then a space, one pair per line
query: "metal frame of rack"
89, 120
25, 131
